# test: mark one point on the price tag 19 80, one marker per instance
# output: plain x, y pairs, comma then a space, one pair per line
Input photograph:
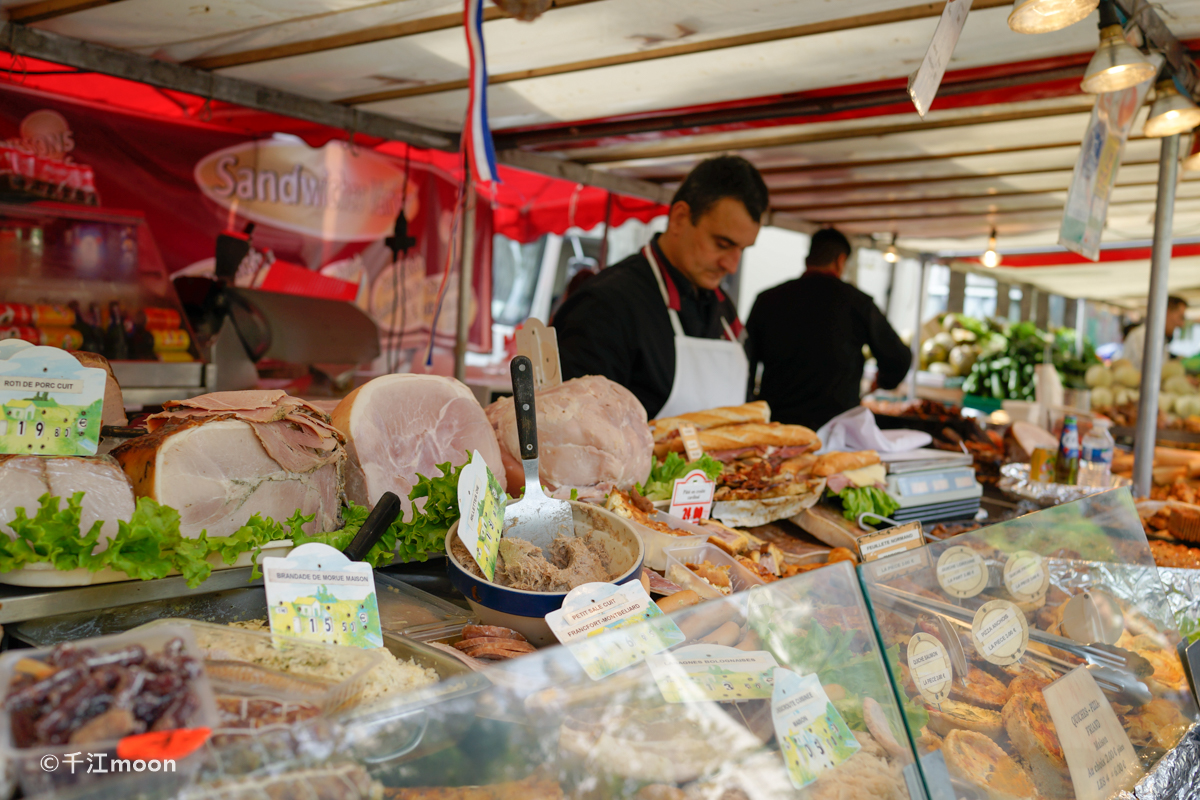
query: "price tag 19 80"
692, 497
51, 404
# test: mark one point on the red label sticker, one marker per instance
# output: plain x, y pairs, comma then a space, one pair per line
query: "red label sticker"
163, 745
692, 498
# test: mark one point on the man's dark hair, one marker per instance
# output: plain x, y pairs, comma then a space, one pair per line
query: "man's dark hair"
1174, 302
720, 177
827, 244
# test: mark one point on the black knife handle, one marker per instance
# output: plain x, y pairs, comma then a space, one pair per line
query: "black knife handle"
522, 381
381, 517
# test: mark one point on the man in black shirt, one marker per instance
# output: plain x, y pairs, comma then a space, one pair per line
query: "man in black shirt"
809, 333
657, 323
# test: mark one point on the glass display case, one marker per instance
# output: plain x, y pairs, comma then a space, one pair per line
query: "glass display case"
83, 278
780, 691
1038, 654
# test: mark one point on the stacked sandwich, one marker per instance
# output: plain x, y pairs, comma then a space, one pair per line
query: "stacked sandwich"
766, 465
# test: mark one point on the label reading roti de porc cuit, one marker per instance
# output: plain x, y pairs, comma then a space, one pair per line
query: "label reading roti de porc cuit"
50, 404
890, 541
930, 667
1099, 755
691, 442
1026, 576
1000, 632
961, 572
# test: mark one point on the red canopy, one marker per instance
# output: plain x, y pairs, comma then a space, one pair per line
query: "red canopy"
524, 205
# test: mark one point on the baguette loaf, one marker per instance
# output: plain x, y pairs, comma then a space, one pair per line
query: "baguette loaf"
757, 411
735, 437
833, 463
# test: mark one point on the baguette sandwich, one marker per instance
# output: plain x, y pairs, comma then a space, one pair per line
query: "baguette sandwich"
858, 481
734, 441
668, 427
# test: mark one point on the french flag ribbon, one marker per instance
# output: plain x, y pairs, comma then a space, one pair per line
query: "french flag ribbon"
481, 154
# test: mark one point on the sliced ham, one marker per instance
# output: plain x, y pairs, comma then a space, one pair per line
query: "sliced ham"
217, 473
836, 483
400, 426
297, 435
592, 436
107, 493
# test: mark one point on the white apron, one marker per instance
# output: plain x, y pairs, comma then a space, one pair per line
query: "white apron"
708, 372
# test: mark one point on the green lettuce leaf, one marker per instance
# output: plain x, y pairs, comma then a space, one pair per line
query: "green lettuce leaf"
414, 540
661, 481
856, 501
50, 536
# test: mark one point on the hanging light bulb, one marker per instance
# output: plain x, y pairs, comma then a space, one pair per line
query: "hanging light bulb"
1117, 64
1191, 162
990, 257
1043, 16
891, 255
1171, 112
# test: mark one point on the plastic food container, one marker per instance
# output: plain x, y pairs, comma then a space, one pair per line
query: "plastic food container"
677, 571
29, 764
657, 542
405, 610
330, 676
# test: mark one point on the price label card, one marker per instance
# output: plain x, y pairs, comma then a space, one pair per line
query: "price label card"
318, 594
1026, 576
482, 503
50, 404
899, 565
175, 744
692, 497
961, 572
1099, 754
712, 672
890, 540
811, 733
1000, 632
930, 667
691, 442
638, 627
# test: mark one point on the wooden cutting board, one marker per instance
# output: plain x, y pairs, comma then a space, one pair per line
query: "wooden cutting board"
828, 525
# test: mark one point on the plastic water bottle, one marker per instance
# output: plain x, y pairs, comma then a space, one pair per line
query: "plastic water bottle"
1095, 464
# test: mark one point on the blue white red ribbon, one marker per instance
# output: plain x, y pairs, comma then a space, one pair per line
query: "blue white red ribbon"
481, 154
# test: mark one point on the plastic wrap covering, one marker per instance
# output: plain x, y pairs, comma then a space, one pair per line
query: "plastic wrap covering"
1015, 480
1058, 640
696, 720
1176, 776
1183, 592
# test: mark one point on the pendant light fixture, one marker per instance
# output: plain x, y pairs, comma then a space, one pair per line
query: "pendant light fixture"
1043, 16
990, 257
1117, 64
1191, 162
1171, 112
891, 255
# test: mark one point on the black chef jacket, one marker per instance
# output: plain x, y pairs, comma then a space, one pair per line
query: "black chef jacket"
616, 325
808, 334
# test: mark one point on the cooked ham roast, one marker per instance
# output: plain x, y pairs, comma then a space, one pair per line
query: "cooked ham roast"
113, 411
220, 458
592, 436
401, 426
107, 494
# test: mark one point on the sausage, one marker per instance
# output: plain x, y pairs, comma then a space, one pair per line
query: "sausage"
750, 641
512, 644
475, 631
707, 618
725, 635
679, 600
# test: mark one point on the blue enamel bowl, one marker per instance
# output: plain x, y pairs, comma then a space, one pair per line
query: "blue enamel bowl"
525, 611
